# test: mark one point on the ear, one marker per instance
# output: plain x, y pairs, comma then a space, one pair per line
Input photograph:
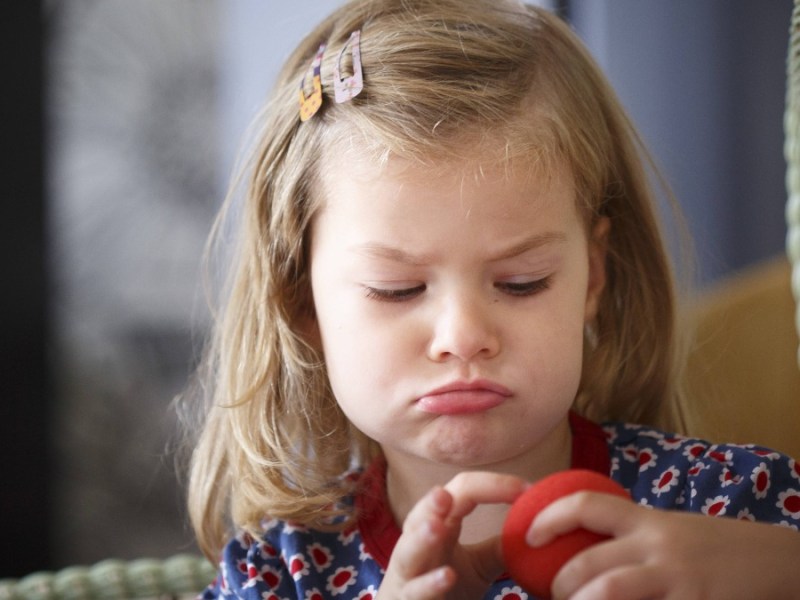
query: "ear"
598, 250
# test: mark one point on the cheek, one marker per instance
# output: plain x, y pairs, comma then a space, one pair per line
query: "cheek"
361, 376
356, 352
555, 338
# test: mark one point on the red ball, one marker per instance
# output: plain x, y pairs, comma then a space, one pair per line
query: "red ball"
535, 568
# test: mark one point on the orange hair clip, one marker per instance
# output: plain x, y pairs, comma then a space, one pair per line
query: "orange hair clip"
309, 105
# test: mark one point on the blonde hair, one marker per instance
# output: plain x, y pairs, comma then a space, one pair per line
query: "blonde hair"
436, 72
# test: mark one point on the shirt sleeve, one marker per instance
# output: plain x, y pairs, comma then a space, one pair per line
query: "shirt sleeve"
674, 472
746, 482
251, 569
293, 562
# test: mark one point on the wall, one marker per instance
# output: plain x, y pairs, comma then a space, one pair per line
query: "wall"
705, 83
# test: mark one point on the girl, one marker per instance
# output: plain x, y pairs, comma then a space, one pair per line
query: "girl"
449, 271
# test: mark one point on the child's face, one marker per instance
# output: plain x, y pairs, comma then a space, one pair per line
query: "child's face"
451, 308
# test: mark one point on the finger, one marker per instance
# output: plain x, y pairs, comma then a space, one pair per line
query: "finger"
429, 586
435, 505
421, 545
594, 561
631, 582
470, 489
602, 513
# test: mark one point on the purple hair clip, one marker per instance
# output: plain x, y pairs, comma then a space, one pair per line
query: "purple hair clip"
348, 88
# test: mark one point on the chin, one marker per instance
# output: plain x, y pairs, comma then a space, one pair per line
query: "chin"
463, 449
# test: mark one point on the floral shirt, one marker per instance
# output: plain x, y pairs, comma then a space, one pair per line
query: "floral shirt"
659, 470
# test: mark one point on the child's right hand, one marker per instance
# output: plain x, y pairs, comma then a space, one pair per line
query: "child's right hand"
428, 563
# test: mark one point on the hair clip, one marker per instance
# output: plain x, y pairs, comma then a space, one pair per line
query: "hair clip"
309, 105
348, 88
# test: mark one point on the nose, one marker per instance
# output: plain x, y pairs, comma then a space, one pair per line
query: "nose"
464, 328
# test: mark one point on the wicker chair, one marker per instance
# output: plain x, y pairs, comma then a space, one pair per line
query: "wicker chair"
178, 577
792, 153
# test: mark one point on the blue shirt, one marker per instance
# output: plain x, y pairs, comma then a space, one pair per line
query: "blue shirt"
660, 470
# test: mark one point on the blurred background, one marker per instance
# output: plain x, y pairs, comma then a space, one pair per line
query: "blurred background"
121, 123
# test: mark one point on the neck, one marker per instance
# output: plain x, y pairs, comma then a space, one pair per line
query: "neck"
409, 478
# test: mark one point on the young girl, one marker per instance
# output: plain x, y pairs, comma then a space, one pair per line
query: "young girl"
449, 272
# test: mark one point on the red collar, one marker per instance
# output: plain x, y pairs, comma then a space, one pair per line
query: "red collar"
378, 528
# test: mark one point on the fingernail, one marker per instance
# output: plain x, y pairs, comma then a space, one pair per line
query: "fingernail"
535, 539
442, 578
429, 531
439, 497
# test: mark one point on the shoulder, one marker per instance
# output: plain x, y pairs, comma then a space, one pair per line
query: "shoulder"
286, 560
666, 470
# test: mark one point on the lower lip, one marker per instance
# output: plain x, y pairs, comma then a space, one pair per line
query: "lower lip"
460, 403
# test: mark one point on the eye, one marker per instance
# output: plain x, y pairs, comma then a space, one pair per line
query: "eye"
394, 295
523, 288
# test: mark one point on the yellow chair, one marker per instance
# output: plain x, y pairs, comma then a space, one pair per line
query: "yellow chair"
743, 380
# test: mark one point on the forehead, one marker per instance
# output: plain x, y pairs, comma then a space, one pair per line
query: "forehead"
423, 205
475, 160
348, 169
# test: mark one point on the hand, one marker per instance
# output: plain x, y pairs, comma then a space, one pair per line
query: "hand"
428, 563
667, 554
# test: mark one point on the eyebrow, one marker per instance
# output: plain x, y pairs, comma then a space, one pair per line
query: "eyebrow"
380, 250
532, 243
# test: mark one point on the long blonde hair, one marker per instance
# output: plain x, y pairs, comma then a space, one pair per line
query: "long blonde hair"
436, 73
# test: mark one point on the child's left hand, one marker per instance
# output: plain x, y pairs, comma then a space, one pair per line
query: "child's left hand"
668, 554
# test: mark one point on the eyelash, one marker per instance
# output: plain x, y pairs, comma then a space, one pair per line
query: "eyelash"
394, 295
527, 288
